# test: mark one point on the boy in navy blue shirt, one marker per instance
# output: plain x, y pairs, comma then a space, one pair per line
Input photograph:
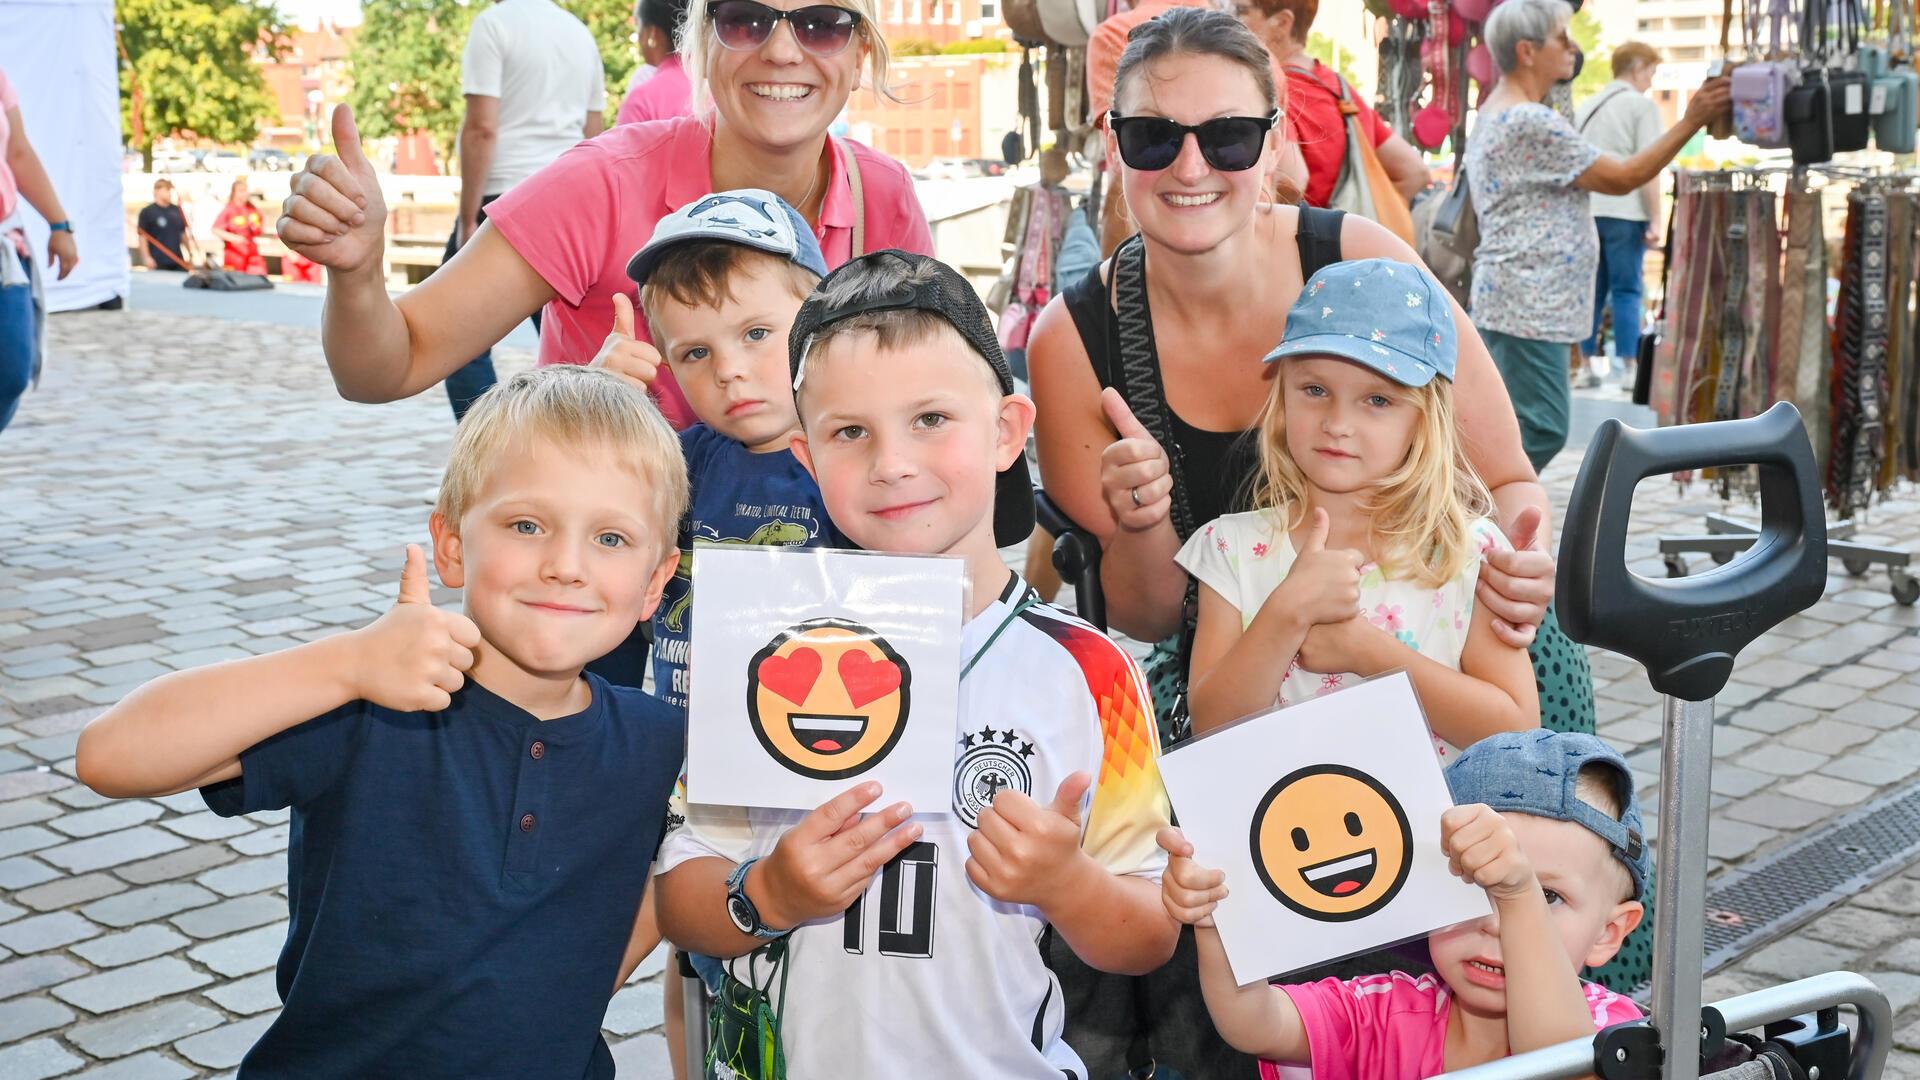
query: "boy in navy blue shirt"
720, 282
473, 817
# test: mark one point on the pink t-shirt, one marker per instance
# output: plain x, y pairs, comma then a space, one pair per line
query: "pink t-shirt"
669, 93
1386, 1027
9, 188
580, 219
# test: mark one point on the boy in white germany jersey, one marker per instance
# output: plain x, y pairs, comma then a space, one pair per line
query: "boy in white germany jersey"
908, 413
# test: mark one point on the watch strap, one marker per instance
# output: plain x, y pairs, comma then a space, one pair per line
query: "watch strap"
60, 226
737, 893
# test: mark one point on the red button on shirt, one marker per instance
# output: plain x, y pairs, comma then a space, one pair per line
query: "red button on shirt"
538, 750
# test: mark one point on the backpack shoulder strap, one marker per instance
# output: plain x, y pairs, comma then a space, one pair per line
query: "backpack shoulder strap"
1318, 234
1137, 376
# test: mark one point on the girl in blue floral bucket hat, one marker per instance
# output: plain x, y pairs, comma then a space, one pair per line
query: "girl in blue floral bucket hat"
1362, 553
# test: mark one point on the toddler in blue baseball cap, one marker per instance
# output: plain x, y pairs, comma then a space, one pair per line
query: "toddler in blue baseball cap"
1362, 550
1547, 825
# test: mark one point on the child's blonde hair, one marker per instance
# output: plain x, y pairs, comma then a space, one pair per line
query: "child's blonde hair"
575, 408
697, 44
1423, 512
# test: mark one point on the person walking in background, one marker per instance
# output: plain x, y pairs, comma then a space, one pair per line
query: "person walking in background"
1313, 104
239, 227
22, 309
1531, 171
165, 241
667, 92
534, 87
1622, 120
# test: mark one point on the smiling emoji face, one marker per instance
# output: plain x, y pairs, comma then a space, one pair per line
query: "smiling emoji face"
1331, 843
828, 698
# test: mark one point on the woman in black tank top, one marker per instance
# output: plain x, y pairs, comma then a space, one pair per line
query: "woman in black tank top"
1142, 472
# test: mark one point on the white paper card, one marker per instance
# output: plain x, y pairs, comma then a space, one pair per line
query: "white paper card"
814, 670
1853, 99
1326, 818
1877, 100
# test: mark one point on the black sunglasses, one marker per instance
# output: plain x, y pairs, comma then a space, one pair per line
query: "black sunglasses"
821, 29
1151, 143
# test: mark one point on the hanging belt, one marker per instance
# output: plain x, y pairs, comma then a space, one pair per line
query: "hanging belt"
1733, 323
1870, 372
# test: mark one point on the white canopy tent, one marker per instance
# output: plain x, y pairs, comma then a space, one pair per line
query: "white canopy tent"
60, 56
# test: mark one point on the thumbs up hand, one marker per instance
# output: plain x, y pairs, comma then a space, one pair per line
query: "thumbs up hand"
1025, 852
624, 354
1516, 586
415, 656
336, 214
1323, 585
1135, 477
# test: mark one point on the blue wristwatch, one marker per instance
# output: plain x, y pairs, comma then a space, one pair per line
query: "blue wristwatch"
746, 917
61, 226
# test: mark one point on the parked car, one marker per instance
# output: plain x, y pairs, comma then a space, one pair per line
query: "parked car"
224, 161
270, 159
174, 161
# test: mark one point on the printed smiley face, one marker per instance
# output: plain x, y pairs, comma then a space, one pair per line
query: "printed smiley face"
828, 698
1331, 843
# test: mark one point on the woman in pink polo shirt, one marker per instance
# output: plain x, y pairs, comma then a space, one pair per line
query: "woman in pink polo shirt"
767, 81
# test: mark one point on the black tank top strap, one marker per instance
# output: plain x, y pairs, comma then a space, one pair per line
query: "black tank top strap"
1318, 233
1086, 301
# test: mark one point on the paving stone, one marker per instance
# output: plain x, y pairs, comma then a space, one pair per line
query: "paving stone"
66, 892
1777, 812
1866, 770
24, 872
81, 798
26, 838
222, 1048
253, 994
207, 825
248, 876
43, 932
119, 815
30, 973
49, 748
1735, 839
1822, 695
26, 812
634, 1009
101, 852
1901, 745
142, 1029
146, 1066
179, 864
145, 905
22, 1017
35, 782
243, 954
1797, 957
1862, 675
1900, 896
1902, 989
130, 946
183, 802
1829, 736
36, 1060
644, 1057
263, 842
1729, 741
1859, 927
136, 984
240, 913
1827, 790
1736, 782
1783, 760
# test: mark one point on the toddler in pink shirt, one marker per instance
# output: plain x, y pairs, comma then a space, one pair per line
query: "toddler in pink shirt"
1548, 825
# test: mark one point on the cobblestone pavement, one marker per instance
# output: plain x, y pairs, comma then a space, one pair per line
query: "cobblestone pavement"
182, 491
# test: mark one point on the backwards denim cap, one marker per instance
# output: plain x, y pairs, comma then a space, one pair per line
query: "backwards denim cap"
952, 297
1535, 772
1386, 315
749, 217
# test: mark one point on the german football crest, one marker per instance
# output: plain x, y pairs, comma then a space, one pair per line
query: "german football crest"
991, 761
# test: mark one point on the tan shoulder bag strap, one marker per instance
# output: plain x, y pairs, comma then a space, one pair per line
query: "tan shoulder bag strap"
859, 199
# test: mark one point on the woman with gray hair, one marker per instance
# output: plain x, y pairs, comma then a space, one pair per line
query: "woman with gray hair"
1531, 173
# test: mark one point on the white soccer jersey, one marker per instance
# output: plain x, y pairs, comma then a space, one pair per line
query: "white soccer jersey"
927, 974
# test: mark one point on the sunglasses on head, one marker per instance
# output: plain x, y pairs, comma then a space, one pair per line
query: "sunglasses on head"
1229, 143
821, 29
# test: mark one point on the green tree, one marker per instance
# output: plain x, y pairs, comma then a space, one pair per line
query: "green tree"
187, 67
1598, 68
1327, 51
611, 22
406, 69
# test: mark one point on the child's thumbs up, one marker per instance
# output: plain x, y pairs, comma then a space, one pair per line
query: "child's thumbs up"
624, 353
1317, 532
414, 588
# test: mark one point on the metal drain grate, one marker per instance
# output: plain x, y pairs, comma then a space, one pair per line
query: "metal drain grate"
1776, 894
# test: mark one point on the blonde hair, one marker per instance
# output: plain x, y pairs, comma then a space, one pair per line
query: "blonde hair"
1423, 512
697, 44
574, 407
1600, 786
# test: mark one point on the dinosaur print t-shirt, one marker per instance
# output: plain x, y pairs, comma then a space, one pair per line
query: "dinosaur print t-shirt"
737, 497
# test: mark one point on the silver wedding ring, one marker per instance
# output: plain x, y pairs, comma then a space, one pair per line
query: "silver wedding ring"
1134, 494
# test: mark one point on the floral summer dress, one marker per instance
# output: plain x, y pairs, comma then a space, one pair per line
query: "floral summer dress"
1244, 557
